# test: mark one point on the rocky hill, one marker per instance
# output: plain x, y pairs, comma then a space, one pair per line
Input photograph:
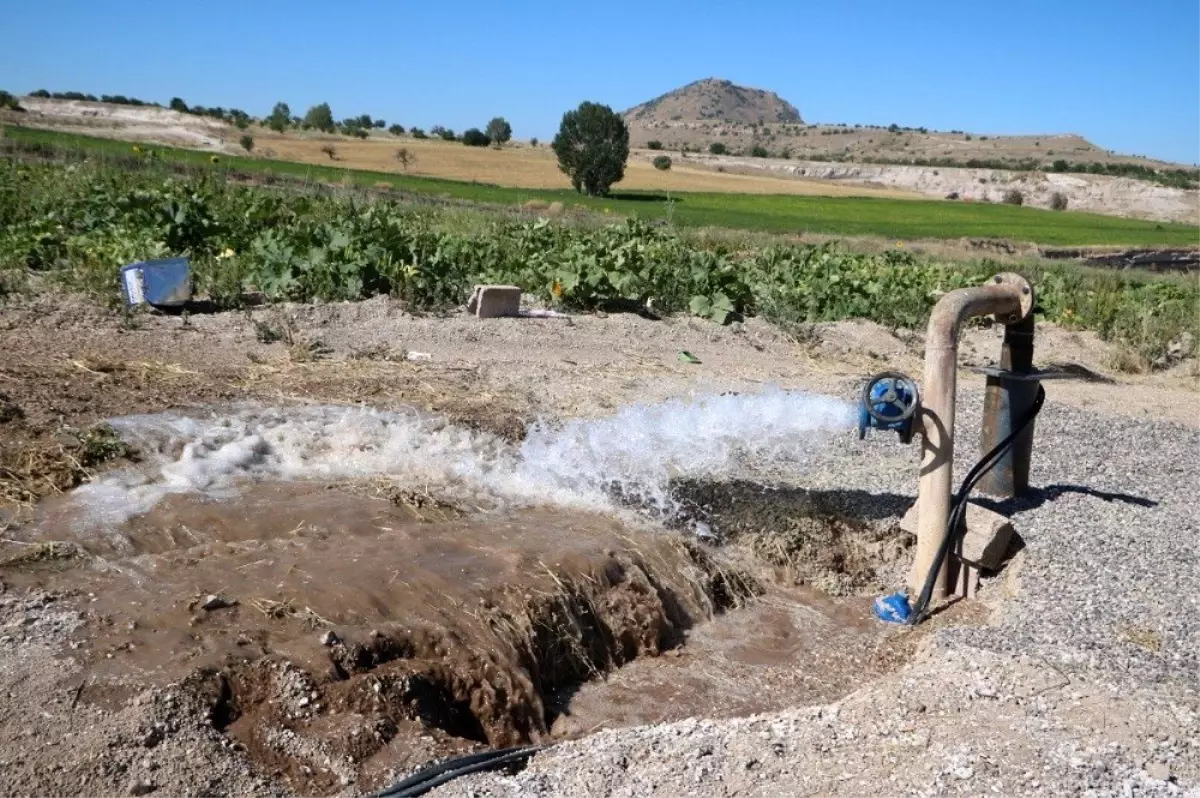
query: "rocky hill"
714, 99
749, 122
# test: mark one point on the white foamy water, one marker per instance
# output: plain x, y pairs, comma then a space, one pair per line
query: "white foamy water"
634, 454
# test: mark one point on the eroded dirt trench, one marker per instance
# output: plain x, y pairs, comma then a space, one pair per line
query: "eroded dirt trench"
341, 631
341, 636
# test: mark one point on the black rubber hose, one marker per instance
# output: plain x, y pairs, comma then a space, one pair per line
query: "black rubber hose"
432, 776
954, 524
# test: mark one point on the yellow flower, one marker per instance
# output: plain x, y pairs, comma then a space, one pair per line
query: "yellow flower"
899, 244
228, 253
136, 148
1068, 314
557, 289
214, 158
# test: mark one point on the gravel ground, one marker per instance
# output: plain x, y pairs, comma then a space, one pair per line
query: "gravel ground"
1084, 683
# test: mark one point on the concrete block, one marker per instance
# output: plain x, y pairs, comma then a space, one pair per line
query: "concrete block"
987, 538
494, 301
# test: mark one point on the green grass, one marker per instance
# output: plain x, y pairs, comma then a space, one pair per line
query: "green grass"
774, 213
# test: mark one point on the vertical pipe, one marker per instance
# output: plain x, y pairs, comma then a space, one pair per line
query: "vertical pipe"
1005, 402
937, 453
1008, 296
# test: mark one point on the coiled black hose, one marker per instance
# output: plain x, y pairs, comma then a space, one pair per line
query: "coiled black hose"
432, 776
955, 527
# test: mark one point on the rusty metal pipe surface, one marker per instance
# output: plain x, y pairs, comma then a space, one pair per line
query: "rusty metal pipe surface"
1004, 298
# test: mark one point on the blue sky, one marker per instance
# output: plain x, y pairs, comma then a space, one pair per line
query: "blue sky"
1124, 74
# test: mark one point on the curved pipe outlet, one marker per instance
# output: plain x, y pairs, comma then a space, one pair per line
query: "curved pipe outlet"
1010, 298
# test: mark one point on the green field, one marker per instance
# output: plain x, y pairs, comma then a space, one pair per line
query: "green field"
775, 213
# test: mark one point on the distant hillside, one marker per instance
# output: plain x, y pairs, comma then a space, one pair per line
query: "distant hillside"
754, 121
715, 99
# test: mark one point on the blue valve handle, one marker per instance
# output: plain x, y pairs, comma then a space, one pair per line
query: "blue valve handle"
889, 401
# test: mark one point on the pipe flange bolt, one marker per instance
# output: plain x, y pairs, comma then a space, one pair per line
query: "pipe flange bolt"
1026, 293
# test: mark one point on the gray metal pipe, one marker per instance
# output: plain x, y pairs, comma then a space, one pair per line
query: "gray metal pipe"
1008, 296
1006, 401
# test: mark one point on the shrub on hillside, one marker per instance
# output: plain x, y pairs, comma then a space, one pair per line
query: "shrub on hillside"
396, 130
654, 145
331, 151
1013, 197
417, 133
1058, 201
662, 162
717, 148
533, 142
280, 118
247, 142
475, 137
499, 131
320, 117
759, 151
405, 157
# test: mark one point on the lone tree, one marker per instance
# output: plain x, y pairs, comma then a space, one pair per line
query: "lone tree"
592, 146
499, 131
247, 142
177, 104
405, 157
280, 118
320, 117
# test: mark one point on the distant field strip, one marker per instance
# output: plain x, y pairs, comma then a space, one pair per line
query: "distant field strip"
769, 212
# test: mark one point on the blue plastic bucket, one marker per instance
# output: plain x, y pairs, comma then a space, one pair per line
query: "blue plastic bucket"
162, 283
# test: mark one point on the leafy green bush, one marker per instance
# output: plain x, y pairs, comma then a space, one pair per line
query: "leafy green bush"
320, 117
759, 151
1058, 201
1014, 197
592, 146
280, 117
396, 130
417, 133
654, 145
475, 138
662, 162
717, 148
77, 224
247, 142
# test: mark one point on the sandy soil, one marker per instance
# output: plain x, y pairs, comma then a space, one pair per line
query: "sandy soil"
120, 682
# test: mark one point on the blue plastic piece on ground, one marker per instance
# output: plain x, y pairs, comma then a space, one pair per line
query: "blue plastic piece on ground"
162, 283
893, 608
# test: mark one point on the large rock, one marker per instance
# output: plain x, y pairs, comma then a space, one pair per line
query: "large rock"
493, 301
987, 538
